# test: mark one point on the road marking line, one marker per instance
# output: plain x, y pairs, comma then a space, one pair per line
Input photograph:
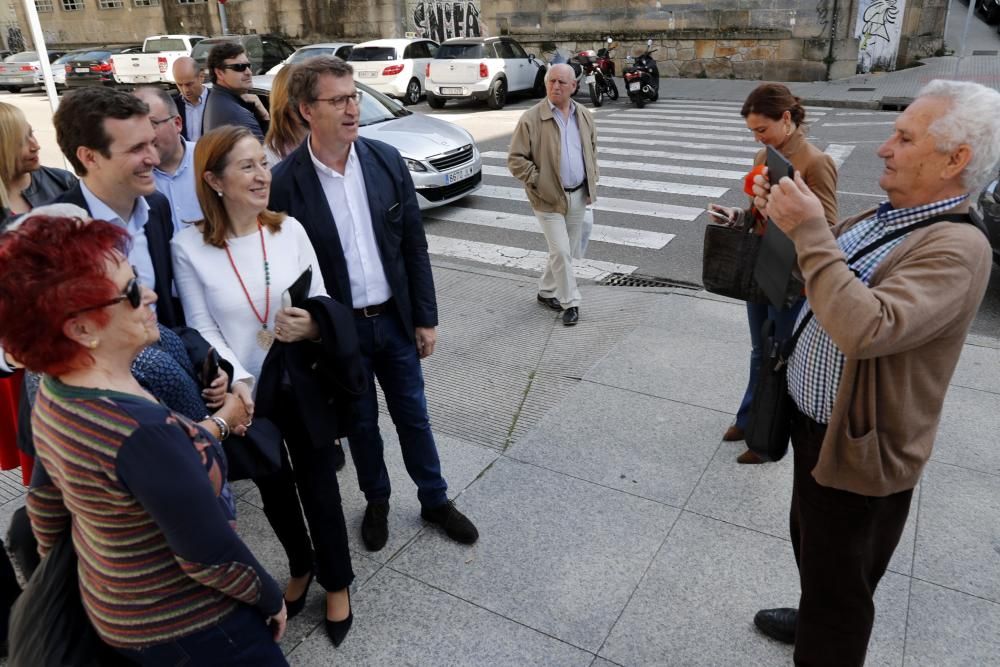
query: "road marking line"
518, 258
859, 123
880, 195
636, 184
638, 238
839, 152
604, 149
715, 129
667, 142
698, 116
606, 204
706, 104
743, 137
647, 167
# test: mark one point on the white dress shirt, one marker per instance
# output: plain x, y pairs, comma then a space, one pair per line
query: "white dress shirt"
214, 302
348, 201
138, 254
179, 189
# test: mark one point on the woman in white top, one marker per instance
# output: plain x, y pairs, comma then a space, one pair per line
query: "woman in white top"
231, 270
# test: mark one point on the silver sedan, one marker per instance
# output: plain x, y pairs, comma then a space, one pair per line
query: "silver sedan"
443, 158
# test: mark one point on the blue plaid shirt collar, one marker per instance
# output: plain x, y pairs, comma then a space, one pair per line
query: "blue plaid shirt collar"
894, 218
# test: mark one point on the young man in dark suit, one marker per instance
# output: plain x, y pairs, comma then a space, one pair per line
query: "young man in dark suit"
355, 198
108, 138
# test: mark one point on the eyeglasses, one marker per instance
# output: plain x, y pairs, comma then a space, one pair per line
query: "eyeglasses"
158, 122
132, 293
236, 67
340, 102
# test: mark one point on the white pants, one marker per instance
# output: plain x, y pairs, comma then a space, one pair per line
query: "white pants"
562, 233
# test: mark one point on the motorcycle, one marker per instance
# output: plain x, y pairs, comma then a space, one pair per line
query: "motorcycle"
642, 77
598, 70
560, 57
987, 213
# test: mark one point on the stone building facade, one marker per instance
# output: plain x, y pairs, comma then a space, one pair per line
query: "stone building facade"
745, 39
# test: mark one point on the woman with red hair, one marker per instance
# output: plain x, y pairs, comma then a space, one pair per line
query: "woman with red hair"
136, 484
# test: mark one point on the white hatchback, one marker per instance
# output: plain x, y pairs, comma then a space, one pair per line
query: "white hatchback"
395, 67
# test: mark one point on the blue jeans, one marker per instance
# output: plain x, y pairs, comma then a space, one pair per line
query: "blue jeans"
389, 354
784, 323
242, 638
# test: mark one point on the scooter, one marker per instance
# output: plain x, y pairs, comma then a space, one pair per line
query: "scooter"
598, 70
642, 77
560, 57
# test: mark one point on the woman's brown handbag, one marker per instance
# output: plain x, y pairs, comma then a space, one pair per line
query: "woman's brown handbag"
728, 258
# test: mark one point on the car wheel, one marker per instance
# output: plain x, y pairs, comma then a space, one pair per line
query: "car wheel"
14, 89
435, 102
498, 95
412, 92
538, 90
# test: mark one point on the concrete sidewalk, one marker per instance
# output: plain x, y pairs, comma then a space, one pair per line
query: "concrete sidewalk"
616, 526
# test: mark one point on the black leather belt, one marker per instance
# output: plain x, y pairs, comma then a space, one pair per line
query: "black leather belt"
373, 311
576, 188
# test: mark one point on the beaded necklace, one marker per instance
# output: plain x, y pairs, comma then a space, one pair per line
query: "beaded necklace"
264, 337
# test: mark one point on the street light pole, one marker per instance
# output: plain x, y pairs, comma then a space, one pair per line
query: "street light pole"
43, 53
222, 17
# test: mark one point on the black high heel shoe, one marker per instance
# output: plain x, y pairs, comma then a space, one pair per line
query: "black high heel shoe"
294, 607
337, 630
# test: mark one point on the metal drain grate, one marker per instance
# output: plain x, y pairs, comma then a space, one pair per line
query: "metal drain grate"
861, 90
631, 280
984, 53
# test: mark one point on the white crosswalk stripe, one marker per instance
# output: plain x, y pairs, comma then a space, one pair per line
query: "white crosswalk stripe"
715, 129
645, 141
606, 127
518, 258
636, 184
645, 167
658, 116
699, 104
528, 223
700, 156
608, 204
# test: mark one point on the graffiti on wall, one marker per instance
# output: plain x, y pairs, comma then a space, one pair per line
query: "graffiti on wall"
878, 27
442, 19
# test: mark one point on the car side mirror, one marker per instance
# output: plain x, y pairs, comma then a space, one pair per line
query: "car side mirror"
531, 56
609, 40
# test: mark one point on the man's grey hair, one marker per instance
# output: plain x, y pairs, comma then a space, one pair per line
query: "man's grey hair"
973, 118
552, 69
160, 94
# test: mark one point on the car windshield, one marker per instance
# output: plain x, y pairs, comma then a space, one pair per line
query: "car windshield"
201, 49
377, 108
161, 44
69, 57
23, 57
450, 51
372, 53
302, 54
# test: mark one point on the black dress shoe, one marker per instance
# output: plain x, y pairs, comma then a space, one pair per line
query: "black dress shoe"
550, 301
375, 525
294, 607
337, 630
456, 525
778, 623
571, 316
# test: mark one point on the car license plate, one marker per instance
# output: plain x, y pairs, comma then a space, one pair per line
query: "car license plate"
367, 75
456, 176
82, 70
635, 86
451, 91
590, 78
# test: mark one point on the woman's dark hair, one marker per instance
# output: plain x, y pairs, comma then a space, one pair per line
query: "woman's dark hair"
80, 120
51, 268
771, 100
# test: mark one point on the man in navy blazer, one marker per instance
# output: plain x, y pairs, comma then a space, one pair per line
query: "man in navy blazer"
108, 138
356, 200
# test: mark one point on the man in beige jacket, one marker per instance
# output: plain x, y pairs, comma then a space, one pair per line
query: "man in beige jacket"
871, 367
553, 152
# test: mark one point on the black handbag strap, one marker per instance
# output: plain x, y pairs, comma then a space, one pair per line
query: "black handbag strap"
789, 345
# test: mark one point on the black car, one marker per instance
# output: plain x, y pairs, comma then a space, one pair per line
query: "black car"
93, 68
264, 51
987, 210
990, 10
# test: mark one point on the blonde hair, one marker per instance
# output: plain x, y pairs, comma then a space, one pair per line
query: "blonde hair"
211, 154
13, 133
287, 129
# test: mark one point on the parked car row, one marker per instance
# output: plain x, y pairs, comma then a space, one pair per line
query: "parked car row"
24, 70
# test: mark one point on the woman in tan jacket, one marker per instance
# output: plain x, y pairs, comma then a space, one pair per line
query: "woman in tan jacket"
776, 118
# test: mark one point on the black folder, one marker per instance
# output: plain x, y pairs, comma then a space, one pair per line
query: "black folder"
299, 290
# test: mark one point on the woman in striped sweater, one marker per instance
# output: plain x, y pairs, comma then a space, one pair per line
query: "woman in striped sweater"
163, 577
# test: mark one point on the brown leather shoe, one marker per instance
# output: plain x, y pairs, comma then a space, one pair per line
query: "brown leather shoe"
733, 433
749, 456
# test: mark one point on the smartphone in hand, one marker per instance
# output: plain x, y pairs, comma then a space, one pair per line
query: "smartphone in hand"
209, 368
777, 166
721, 216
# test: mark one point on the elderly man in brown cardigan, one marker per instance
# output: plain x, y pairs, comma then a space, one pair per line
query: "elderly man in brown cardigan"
871, 368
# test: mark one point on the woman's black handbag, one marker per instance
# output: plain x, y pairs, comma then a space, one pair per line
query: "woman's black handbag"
256, 454
728, 257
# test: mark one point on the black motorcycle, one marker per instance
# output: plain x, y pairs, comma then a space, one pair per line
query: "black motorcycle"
642, 77
987, 212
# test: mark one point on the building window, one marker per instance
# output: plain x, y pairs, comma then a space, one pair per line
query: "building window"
147, 3
110, 4
43, 5
72, 5
191, 2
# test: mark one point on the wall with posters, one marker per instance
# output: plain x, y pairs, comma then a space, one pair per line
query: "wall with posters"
878, 30
443, 19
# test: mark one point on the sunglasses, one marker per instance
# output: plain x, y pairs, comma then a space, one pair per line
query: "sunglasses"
132, 293
236, 67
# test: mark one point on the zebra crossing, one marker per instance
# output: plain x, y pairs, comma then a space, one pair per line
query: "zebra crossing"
660, 167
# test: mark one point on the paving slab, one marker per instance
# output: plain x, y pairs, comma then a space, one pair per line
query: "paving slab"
966, 436
639, 444
401, 621
959, 531
699, 371
977, 369
693, 315
557, 554
947, 627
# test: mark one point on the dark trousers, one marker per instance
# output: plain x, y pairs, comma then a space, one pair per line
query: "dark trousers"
843, 543
389, 354
314, 470
283, 512
242, 638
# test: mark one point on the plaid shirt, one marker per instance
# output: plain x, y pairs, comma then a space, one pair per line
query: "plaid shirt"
815, 367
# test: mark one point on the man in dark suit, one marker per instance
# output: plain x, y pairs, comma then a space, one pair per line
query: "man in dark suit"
231, 102
191, 97
108, 138
373, 255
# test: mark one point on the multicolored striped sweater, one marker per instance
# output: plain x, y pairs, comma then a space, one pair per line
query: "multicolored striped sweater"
138, 485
